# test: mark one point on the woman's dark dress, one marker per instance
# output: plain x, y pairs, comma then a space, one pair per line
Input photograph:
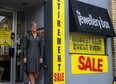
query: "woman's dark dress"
33, 50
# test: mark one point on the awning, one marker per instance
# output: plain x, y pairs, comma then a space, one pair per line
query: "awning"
84, 17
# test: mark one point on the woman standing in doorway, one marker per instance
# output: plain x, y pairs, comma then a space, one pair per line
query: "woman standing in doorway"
33, 53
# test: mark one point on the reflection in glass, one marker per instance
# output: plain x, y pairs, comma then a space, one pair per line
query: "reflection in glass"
5, 60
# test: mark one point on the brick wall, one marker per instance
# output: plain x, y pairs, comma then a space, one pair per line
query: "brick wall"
113, 19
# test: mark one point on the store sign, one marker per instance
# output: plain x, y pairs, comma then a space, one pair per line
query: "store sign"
58, 42
5, 37
114, 82
91, 21
89, 64
89, 18
86, 44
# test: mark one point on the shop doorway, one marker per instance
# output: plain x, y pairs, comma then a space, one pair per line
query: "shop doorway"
6, 62
18, 20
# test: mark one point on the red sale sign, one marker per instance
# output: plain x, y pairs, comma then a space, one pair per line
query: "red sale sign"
84, 64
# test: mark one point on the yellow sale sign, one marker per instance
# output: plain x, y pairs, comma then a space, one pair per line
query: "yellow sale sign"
58, 42
86, 44
89, 64
114, 82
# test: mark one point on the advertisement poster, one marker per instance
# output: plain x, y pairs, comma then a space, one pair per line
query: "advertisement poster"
5, 37
89, 64
86, 44
58, 42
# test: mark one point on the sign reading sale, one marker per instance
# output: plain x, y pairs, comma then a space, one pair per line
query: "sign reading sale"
89, 64
58, 42
86, 44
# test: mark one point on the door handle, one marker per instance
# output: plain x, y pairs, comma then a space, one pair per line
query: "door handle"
11, 52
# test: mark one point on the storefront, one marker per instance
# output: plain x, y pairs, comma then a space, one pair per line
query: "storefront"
15, 18
90, 44
80, 50
77, 41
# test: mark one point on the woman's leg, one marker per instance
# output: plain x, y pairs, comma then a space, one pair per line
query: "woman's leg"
31, 77
36, 74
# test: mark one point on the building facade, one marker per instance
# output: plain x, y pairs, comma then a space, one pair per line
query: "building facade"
66, 32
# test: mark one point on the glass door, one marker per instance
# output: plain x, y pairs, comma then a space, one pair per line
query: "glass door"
6, 26
19, 55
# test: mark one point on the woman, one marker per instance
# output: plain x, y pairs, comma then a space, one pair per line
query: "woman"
33, 53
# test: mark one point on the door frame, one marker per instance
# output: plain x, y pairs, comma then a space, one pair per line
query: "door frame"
13, 59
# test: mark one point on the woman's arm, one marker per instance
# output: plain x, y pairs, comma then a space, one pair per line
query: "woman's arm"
41, 51
41, 47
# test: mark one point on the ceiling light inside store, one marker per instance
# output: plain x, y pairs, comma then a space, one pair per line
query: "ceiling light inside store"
24, 4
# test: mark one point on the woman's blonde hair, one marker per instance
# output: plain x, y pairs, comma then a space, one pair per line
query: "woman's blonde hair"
33, 24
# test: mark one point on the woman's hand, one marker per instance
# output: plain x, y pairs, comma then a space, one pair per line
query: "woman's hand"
40, 60
25, 60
